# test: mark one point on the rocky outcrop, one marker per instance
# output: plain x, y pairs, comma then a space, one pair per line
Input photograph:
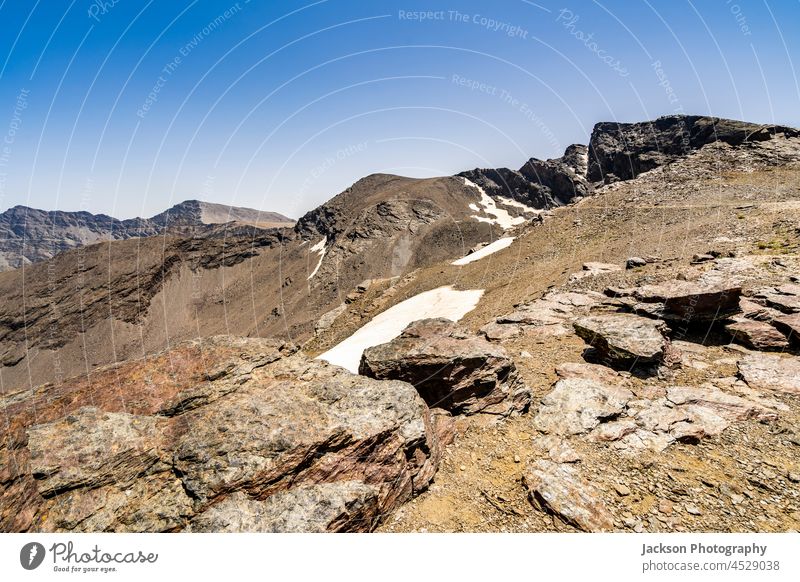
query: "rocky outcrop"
221, 435
624, 338
539, 183
622, 151
450, 368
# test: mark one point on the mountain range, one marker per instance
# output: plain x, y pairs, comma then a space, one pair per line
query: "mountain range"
28, 235
601, 341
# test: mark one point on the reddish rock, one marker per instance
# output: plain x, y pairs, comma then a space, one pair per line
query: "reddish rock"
192, 437
450, 368
757, 335
560, 489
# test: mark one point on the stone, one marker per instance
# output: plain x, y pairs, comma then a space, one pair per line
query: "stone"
727, 406
613, 431
592, 269
757, 335
495, 332
561, 490
789, 325
223, 434
771, 372
752, 310
688, 301
450, 368
622, 490
635, 262
578, 405
704, 258
325, 507
785, 298
624, 337
558, 449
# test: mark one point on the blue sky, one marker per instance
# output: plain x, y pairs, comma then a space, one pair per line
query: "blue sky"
126, 107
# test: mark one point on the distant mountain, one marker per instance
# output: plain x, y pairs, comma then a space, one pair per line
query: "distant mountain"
29, 235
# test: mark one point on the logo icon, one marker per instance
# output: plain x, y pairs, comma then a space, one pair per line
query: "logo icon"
31, 555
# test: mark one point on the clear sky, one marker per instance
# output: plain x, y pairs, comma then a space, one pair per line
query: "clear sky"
126, 107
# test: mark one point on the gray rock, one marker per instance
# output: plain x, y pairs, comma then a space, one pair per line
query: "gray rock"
577, 405
624, 337
326, 507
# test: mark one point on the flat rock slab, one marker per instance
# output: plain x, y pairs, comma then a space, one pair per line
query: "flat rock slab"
771, 372
560, 489
624, 337
688, 301
577, 405
757, 335
450, 367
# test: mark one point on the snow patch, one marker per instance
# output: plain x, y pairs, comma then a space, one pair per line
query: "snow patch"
442, 302
318, 248
524, 207
489, 249
501, 216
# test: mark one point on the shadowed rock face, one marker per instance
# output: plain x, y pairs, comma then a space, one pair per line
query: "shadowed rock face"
539, 183
621, 151
450, 367
188, 438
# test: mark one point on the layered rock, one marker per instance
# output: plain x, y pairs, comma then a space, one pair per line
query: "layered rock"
624, 338
224, 435
689, 301
450, 367
560, 489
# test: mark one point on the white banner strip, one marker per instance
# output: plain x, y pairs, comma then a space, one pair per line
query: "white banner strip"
382, 557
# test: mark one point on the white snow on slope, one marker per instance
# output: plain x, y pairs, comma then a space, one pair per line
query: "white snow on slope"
442, 302
318, 248
497, 245
520, 205
501, 216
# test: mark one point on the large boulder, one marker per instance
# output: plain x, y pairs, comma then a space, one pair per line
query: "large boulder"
688, 302
221, 435
450, 367
624, 338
